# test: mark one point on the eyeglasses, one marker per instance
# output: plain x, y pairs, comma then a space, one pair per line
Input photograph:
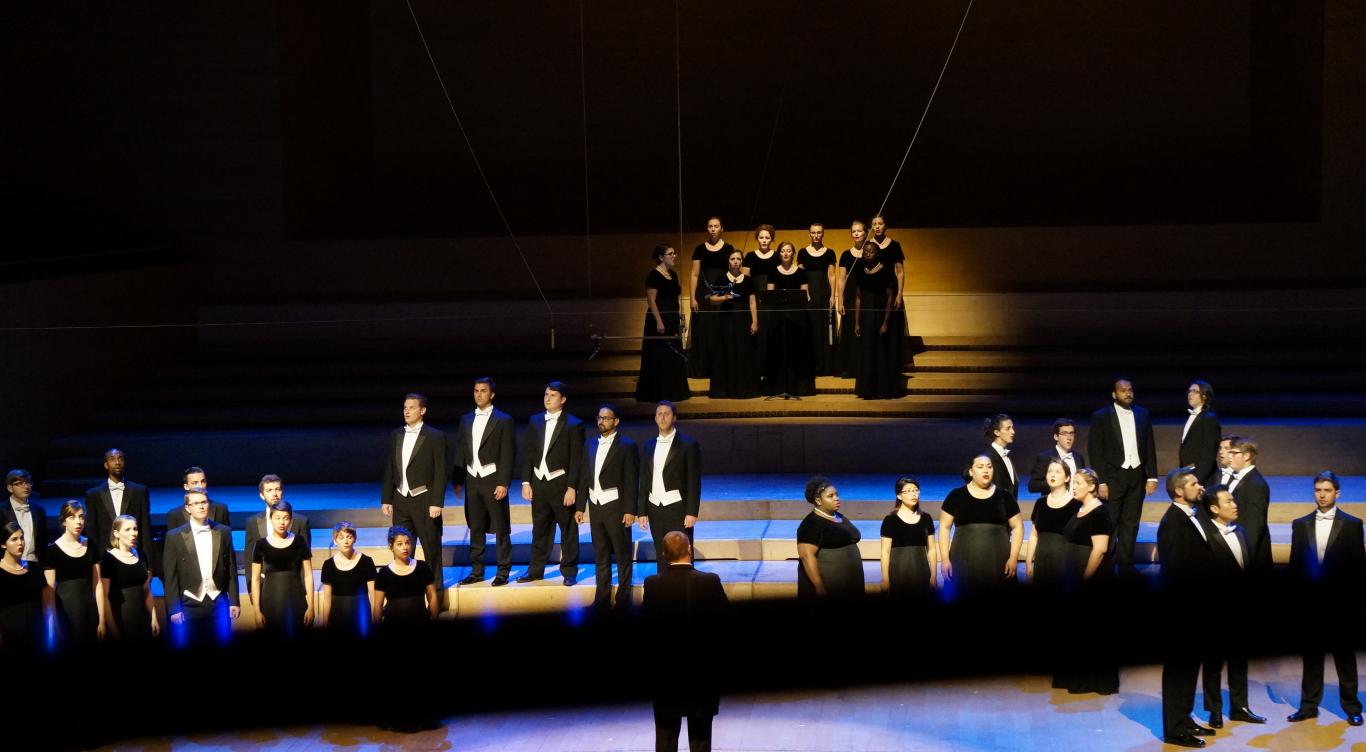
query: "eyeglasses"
22, 482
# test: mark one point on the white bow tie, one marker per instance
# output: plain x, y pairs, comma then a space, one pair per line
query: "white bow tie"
197, 529
412, 429
1067, 456
484, 413
21, 508
115, 486
1325, 515
605, 440
551, 416
1193, 411
1004, 452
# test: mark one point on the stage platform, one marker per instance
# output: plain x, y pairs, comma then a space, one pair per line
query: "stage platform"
999, 714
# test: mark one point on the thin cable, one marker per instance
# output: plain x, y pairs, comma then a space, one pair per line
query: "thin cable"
678, 115
763, 173
487, 185
587, 213
933, 91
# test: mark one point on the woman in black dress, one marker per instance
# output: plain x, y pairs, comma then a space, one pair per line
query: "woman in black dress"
348, 585
758, 266
405, 592
848, 354
827, 546
910, 558
1088, 539
984, 546
26, 600
818, 261
1048, 552
127, 585
663, 369
284, 601
878, 374
708, 267
73, 572
735, 366
790, 368
892, 254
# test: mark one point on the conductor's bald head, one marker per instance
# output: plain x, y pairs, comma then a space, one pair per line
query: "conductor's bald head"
677, 549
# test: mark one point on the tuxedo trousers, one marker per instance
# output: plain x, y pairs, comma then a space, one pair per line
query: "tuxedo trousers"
411, 512
485, 514
207, 622
1125, 508
1179, 673
548, 512
1237, 682
668, 726
664, 520
1311, 685
611, 538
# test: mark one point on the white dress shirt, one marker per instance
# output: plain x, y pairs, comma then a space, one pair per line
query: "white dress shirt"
1231, 538
1225, 476
1190, 515
481, 421
1195, 413
1067, 458
1323, 527
410, 434
1237, 477
1128, 432
116, 496
658, 496
541, 471
1005, 457
25, 519
203, 546
596, 493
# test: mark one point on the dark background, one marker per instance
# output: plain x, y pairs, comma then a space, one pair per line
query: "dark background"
133, 124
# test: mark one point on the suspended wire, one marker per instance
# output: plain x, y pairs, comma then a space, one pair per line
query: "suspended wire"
482, 176
929, 102
587, 213
763, 172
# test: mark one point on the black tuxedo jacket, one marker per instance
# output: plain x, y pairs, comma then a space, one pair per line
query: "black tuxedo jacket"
180, 565
1344, 561
620, 470
1224, 569
1000, 474
1037, 483
1185, 557
217, 512
1105, 443
682, 473
564, 453
1200, 448
498, 445
99, 514
1253, 496
39, 516
681, 602
256, 530
426, 467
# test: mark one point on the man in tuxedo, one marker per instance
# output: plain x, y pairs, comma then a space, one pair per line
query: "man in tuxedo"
1124, 455
485, 450
552, 464
999, 431
195, 480
413, 489
23, 511
271, 489
1200, 435
611, 471
1229, 562
1326, 553
681, 602
1253, 496
1223, 474
670, 480
1064, 437
1185, 556
113, 497
199, 569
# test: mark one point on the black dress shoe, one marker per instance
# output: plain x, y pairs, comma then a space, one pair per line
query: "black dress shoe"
1302, 715
569, 580
1216, 719
528, 578
1185, 740
471, 579
1354, 719
1245, 715
1199, 730
500, 580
